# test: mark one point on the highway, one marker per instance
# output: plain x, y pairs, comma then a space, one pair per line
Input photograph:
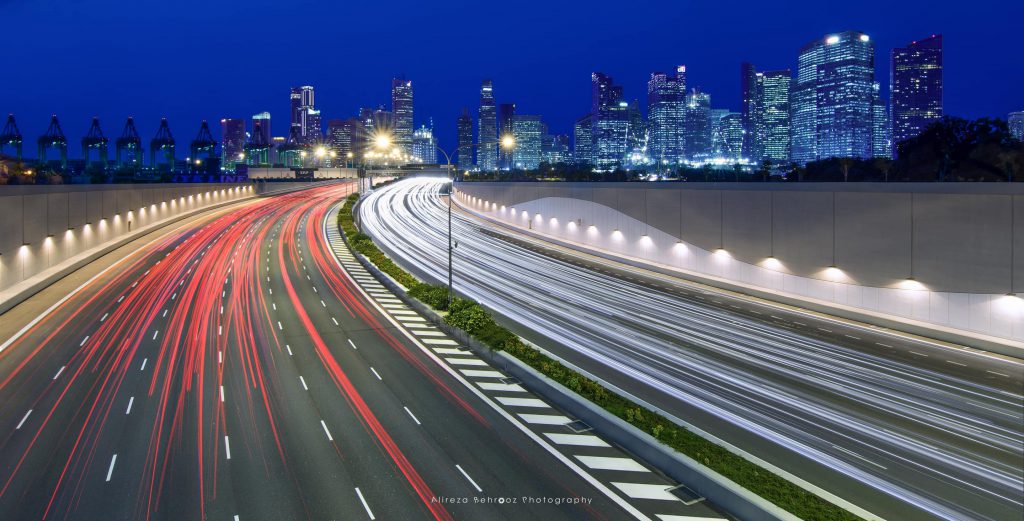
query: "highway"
903, 428
232, 371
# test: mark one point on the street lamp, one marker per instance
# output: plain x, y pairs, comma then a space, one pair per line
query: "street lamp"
508, 143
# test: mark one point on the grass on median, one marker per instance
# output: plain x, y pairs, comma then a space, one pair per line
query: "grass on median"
472, 318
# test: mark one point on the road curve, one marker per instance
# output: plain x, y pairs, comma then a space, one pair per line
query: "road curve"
903, 428
214, 375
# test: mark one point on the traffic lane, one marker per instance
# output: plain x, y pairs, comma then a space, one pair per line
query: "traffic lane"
406, 202
456, 428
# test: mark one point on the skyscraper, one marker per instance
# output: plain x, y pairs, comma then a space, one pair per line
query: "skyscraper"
311, 126
666, 110
697, 125
487, 139
232, 145
554, 149
506, 118
728, 136
424, 146
749, 87
263, 118
772, 116
527, 131
401, 107
610, 123
302, 103
464, 128
344, 137
583, 141
1016, 123
915, 87
832, 100
881, 142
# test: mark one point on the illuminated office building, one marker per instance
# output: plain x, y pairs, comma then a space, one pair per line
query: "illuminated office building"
915, 87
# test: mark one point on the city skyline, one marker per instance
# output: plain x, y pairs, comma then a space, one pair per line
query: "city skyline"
533, 82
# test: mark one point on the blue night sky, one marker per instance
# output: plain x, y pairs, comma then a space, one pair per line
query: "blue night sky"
191, 60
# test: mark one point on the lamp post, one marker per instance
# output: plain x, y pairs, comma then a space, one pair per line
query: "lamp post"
508, 143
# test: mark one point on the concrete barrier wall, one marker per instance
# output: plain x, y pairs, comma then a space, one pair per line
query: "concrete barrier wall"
45, 229
942, 254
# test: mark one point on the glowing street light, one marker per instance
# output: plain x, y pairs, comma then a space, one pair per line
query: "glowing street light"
382, 141
508, 142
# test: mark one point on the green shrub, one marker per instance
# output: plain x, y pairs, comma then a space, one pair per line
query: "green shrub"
472, 318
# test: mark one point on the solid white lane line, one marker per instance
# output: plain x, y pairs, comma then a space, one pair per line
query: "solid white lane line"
375, 373
324, 425
545, 419
227, 446
603, 463
303, 382
143, 368
352, 344
110, 470
23, 418
365, 506
84, 340
61, 370
577, 440
130, 402
411, 415
477, 487
520, 402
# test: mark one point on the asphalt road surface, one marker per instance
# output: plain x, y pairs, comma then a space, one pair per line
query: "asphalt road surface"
231, 371
904, 428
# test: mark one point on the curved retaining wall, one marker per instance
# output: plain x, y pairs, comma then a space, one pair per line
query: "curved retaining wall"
939, 254
47, 230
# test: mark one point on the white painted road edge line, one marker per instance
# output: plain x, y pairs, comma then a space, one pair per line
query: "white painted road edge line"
363, 501
477, 487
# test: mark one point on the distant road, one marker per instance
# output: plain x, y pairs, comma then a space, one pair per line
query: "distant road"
902, 428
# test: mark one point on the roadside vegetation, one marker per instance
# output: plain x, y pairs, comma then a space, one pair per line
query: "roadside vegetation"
472, 318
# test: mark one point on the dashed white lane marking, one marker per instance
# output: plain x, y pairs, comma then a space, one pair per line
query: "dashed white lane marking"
155, 333
227, 446
956, 363
324, 425
603, 463
274, 306
335, 321
352, 344
110, 470
375, 373
105, 315
858, 456
222, 394
477, 487
84, 340
449, 351
440, 342
220, 330
23, 418
427, 332
61, 370
578, 440
365, 506
119, 299
130, 402
645, 491
303, 381
1000, 374
466, 361
413, 416
476, 373
165, 313
220, 357
491, 386
289, 348
520, 402
322, 304
545, 419
279, 328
